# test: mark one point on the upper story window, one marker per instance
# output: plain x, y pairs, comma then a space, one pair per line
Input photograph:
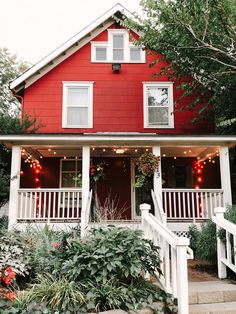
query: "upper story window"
77, 104
117, 49
158, 104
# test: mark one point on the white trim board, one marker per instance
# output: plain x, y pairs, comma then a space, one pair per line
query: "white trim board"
69, 47
95, 139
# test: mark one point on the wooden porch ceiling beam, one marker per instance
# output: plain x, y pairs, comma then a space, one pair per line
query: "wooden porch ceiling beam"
124, 140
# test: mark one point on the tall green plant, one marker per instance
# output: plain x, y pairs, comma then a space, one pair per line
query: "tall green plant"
110, 254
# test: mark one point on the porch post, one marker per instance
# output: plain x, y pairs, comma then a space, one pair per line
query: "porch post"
14, 185
157, 178
225, 175
85, 173
84, 218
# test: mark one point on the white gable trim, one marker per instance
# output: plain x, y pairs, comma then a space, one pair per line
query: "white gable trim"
68, 48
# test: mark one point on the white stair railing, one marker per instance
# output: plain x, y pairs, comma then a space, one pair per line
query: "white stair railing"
226, 250
173, 254
85, 215
158, 209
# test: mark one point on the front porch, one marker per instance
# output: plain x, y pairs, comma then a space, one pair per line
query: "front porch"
51, 182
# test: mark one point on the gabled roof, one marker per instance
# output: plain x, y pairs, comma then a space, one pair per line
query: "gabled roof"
68, 48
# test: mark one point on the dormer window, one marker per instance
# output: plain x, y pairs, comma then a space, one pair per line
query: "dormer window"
117, 49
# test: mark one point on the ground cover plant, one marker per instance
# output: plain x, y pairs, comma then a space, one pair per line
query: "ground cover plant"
57, 272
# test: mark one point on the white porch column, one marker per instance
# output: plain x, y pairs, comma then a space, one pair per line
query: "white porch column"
84, 219
85, 174
14, 185
157, 178
225, 175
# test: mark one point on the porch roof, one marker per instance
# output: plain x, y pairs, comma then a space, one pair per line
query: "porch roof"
118, 139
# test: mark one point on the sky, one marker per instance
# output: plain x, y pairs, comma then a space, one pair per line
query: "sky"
34, 28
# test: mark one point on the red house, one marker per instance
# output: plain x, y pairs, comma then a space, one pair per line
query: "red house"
101, 108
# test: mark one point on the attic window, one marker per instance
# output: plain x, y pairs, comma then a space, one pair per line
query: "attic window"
117, 49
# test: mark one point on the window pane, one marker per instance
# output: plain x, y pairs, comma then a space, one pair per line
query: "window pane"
135, 53
77, 116
68, 165
118, 41
118, 54
157, 96
78, 96
157, 116
101, 53
67, 180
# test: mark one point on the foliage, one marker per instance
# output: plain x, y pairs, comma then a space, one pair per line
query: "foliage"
193, 235
97, 171
101, 273
58, 294
146, 164
109, 254
198, 39
39, 244
13, 252
204, 242
111, 209
3, 223
12, 120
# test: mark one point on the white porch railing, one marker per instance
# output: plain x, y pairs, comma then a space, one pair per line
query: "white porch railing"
226, 250
173, 253
191, 203
49, 204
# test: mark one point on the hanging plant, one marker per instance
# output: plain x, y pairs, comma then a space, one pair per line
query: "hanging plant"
147, 164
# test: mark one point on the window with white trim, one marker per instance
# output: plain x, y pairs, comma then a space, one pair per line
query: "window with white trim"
117, 49
77, 104
71, 173
158, 104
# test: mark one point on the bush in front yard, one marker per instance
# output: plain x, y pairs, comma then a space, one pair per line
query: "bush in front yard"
203, 242
108, 254
100, 273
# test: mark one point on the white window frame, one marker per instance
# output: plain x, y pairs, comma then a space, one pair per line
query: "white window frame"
169, 86
76, 170
109, 46
66, 86
94, 46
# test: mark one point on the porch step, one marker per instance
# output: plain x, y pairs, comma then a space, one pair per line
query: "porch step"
212, 297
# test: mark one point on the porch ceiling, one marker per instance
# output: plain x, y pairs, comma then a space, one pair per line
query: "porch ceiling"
202, 152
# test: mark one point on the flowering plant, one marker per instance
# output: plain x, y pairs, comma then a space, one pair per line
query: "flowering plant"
147, 164
7, 277
97, 171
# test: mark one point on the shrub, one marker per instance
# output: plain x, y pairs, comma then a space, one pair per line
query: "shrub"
203, 242
111, 253
3, 223
14, 252
40, 244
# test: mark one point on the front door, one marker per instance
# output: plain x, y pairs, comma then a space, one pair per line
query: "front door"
141, 195
114, 191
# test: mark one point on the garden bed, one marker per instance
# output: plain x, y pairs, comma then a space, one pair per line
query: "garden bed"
44, 271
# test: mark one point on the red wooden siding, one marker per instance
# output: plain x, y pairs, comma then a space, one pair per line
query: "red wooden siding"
118, 97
